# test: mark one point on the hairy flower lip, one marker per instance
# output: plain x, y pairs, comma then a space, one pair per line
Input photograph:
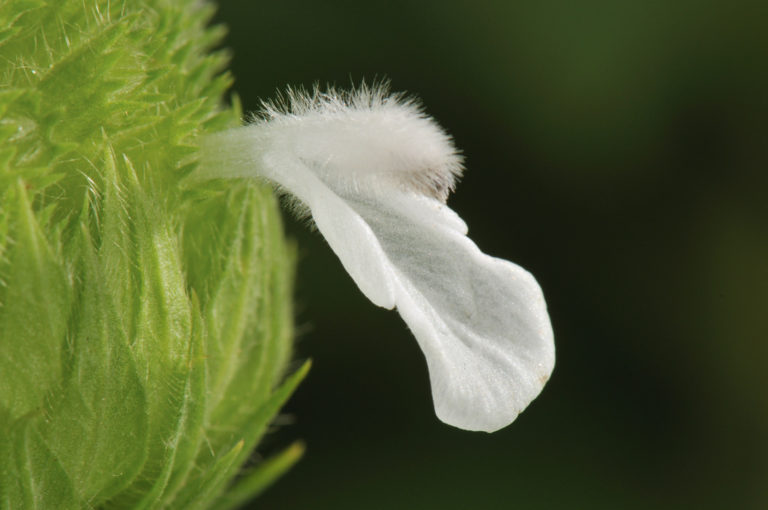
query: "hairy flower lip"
374, 172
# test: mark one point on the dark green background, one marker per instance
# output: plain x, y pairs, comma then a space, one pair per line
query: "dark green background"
618, 151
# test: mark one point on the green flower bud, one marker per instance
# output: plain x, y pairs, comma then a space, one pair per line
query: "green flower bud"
144, 325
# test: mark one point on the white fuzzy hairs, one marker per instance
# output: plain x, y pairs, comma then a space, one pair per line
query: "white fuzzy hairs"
367, 139
374, 171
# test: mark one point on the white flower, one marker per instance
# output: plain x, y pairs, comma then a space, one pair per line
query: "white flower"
374, 172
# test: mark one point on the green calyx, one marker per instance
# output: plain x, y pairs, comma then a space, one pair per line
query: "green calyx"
144, 326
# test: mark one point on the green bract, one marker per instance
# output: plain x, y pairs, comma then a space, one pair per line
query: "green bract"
144, 326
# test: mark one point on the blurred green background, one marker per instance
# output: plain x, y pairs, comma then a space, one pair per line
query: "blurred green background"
618, 150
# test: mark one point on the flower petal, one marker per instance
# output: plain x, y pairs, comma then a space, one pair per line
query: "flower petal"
350, 238
374, 172
481, 321
251, 151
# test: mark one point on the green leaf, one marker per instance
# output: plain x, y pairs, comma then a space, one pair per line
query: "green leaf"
211, 482
97, 420
256, 481
33, 477
35, 305
250, 434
